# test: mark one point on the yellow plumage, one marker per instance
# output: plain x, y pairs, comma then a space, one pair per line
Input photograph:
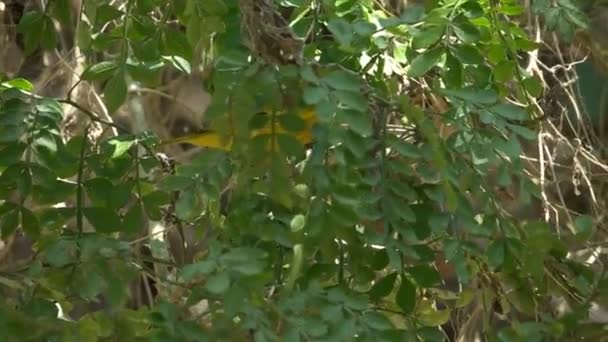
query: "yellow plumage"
212, 139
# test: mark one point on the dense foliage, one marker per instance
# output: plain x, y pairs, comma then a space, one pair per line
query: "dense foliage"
410, 217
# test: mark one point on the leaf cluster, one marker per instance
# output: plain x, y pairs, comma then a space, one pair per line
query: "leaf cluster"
348, 240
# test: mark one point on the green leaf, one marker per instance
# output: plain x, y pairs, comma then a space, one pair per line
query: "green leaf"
134, 219
48, 38
61, 10
179, 63
342, 30
19, 83
533, 85
31, 26
188, 205
302, 190
383, 287
496, 254
175, 183
243, 254
120, 147
84, 36
473, 95
234, 299
468, 54
99, 71
291, 122
12, 153
523, 132
343, 80
191, 271
89, 284
314, 327
466, 32
290, 146
29, 223
326, 110
424, 275
103, 219
314, 95
428, 36
358, 122
105, 13
578, 18
378, 321
509, 111
218, 283
9, 223
60, 253
297, 223
496, 53
405, 149
250, 268
379, 259
511, 147
434, 318
511, 10
115, 92
104, 193
364, 28
539, 236
472, 9
216, 7
464, 298
153, 202
406, 296
425, 62
453, 72
352, 100
24, 181
504, 71
295, 268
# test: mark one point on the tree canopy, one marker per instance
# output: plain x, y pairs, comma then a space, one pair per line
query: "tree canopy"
450, 188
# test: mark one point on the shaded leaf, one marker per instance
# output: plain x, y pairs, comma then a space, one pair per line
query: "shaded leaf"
343, 80
9, 223
115, 92
473, 95
314, 95
99, 71
425, 62
496, 254
406, 296
383, 287
103, 219
509, 111
342, 30
424, 275
204, 267
378, 321
218, 283
29, 223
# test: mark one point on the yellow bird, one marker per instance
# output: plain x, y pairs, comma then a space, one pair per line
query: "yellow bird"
212, 139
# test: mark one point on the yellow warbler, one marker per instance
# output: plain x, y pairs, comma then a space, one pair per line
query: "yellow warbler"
212, 139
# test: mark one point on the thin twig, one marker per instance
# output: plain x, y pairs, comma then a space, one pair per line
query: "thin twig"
93, 116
